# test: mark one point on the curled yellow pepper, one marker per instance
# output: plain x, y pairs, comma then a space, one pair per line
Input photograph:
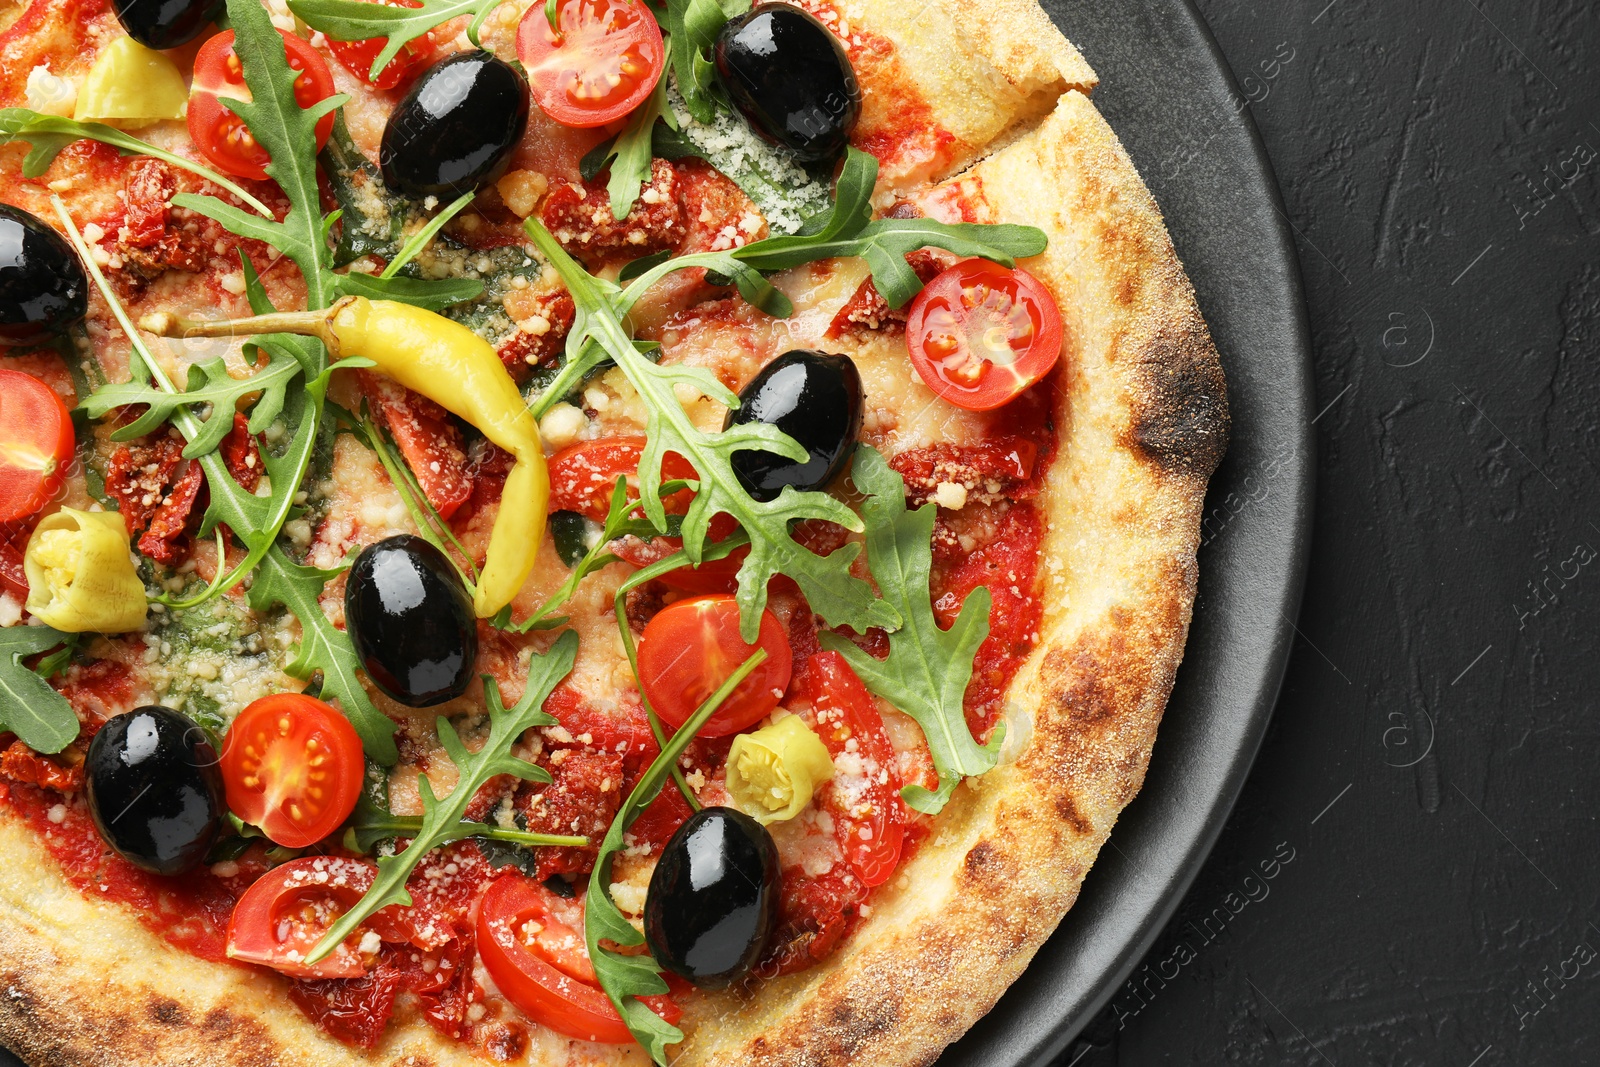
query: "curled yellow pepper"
80, 575
132, 86
773, 772
458, 370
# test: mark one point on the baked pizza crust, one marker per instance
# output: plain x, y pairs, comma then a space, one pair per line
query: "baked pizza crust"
1142, 414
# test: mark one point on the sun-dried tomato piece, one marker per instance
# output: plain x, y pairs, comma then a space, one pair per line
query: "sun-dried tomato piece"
582, 799
22, 764
813, 915
431, 444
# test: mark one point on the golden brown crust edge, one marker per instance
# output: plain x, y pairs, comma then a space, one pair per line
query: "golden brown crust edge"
1144, 424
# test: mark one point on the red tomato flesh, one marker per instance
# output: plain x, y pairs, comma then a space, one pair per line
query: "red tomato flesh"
869, 818
36, 443
292, 765
605, 61
413, 58
284, 914
979, 333
221, 135
583, 476
532, 944
691, 647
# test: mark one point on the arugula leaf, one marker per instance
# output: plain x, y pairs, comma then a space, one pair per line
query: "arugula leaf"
39, 716
433, 294
927, 671
370, 824
847, 230
289, 135
833, 592
619, 523
626, 978
49, 134
256, 520
323, 647
693, 26
209, 383
631, 151
440, 818
354, 20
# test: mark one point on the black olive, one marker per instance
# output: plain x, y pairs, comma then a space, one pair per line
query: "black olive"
411, 621
456, 128
154, 789
713, 897
813, 397
166, 23
43, 289
790, 78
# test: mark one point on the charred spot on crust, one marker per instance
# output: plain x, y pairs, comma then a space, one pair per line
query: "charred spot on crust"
1067, 811
168, 1013
980, 860
1180, 418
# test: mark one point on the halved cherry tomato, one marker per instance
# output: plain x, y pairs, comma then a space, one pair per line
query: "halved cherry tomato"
582, 476
221, 135
981, 333
532, 944
607, 59
286, 911
691, 647
292, 765
869, 818
358, 56
36, 442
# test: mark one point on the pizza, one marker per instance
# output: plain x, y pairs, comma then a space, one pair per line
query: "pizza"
572, 533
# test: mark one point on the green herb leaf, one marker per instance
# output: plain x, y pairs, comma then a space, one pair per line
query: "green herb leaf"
209, 383
441, 817
693, 26
323, 647
288, 132
256, 520
833, 592
370, 824
39, 716
847, 230
927, 671
435, 294
49, 134
631, 151
354, 20
626, 978
620, 522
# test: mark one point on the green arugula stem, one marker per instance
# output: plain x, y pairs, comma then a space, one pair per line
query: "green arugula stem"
420, 239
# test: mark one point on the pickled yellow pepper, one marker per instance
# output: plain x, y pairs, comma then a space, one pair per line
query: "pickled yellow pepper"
772, 773
81, 577
452, 366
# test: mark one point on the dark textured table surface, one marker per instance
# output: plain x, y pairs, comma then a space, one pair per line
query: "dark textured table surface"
1411, 874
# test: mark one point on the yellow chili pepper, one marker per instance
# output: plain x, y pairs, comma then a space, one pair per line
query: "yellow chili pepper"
458, 370
131, 86
80, 575
773, 772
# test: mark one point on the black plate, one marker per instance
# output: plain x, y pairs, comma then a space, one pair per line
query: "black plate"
1170, 96
1168, 92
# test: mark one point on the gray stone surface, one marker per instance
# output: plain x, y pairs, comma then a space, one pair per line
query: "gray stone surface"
1431, 765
